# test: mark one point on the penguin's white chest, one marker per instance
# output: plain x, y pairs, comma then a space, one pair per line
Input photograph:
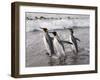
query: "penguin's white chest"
58, 47
46, 44
72, 46
70, 39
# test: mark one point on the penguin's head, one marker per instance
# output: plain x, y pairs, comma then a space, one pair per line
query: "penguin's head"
54, 33
44, 29
71, 30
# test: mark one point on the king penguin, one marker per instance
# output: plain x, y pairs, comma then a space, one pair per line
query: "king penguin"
59, 44
48, 42
73, 40
59, 47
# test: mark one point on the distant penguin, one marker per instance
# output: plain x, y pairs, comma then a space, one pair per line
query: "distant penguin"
73, 40
48, 42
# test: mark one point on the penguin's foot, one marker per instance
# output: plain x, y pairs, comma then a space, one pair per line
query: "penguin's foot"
65, 57
75, 57
62, 60
51, 63
48, 54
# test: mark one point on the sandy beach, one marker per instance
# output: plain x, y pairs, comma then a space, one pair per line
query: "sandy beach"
36, 52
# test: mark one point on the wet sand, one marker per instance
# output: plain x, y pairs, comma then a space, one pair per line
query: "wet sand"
36, 52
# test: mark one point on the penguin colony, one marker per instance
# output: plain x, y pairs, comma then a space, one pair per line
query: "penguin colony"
55, 46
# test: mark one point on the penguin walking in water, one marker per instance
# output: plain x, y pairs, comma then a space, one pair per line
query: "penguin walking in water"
74, 40
48, 42
59, 48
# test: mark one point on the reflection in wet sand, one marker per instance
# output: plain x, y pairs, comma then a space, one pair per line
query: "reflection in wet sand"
36, 54
71, 60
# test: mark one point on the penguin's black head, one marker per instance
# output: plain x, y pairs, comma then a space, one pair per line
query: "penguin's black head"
45, 29
71, 30
54, 33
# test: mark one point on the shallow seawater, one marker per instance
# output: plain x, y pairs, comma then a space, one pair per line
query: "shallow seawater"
36, 53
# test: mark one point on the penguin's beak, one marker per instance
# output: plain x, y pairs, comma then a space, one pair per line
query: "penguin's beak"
54, 33
50, 32
41, 28
69, 29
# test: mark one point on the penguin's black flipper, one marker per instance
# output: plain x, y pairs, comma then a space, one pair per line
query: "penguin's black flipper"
66, 42
77, 39
51, 38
